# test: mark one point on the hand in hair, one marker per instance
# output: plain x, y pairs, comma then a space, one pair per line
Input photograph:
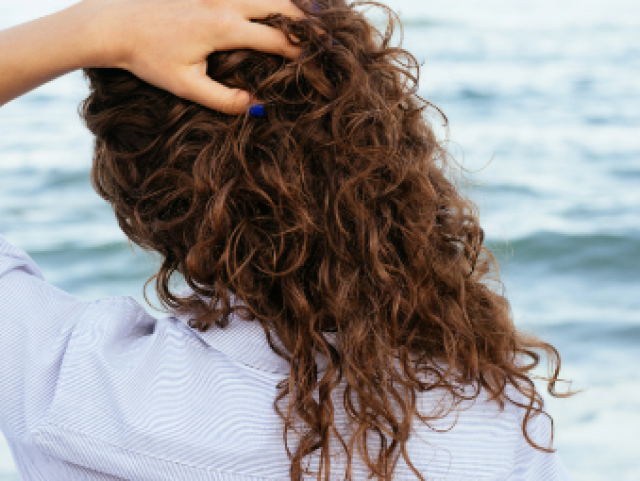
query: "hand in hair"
167, 42
164, 42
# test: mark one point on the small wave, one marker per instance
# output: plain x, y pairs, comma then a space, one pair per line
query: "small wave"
595, 332
501, 189
475, 94
78, 250
626, 173
609, 256
62, 178
417, 22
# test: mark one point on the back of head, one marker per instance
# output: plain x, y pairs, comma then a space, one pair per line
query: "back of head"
333, 212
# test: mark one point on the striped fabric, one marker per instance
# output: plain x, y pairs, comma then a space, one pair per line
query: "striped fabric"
103, 391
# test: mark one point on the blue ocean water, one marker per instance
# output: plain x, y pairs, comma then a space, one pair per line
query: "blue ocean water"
543, 100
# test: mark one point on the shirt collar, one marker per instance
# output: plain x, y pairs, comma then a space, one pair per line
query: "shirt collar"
246, 342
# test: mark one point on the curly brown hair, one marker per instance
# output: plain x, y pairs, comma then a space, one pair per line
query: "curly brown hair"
336, 212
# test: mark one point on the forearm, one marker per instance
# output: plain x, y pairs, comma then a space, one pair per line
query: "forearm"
34, 53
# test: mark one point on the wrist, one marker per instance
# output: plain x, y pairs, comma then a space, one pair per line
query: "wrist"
98, 44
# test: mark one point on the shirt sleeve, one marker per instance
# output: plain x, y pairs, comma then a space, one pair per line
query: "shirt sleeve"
532, 464
36, 321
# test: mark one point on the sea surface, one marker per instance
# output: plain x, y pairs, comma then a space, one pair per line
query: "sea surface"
543, 101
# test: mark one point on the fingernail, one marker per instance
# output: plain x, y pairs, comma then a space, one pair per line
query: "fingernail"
257, 110
316, 7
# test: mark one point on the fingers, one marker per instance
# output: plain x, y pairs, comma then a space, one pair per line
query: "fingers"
257, 9
200, 88
266, 39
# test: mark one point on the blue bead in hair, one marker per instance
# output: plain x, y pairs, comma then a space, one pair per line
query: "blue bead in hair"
257, 110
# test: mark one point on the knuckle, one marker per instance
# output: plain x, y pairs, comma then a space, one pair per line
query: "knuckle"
234, 103
278, 5
225, 21
284, 5
227, 104
179, 87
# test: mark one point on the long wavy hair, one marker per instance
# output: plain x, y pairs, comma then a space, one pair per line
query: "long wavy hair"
334, 213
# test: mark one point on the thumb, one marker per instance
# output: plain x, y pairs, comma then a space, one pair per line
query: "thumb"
200, 88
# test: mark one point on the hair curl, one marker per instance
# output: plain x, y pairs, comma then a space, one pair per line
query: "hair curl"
334, 213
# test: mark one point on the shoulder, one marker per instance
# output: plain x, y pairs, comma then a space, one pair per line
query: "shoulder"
479, 439
531, 463
43, 329
528, 462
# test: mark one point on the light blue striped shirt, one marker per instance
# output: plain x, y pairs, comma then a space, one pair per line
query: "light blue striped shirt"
103, 391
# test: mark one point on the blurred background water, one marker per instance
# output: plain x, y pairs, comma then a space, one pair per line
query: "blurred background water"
543, 100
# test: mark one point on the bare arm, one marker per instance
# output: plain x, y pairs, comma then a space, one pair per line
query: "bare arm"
164, 42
